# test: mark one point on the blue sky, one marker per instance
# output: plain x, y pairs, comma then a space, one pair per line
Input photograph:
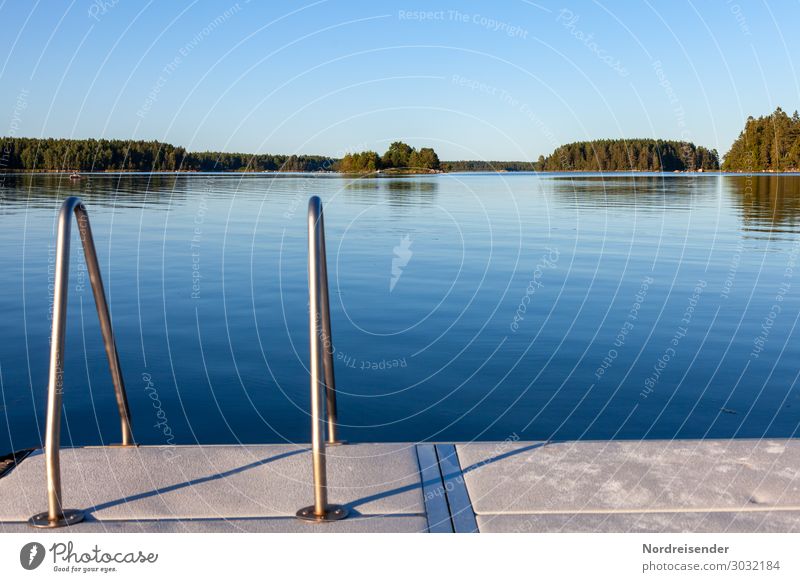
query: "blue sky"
475, 80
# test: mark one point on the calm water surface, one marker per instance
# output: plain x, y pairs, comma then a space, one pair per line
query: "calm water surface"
464, 307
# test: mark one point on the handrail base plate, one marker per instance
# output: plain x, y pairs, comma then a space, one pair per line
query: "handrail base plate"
68, 517
332, 513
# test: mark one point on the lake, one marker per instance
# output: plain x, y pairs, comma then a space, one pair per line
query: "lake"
464, 306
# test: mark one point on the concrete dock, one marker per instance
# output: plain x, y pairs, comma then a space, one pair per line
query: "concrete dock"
587, 486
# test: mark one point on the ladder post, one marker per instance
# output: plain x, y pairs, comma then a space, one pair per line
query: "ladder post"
318, 330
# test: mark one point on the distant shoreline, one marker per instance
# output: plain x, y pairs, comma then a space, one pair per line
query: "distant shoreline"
89, 155
767, 145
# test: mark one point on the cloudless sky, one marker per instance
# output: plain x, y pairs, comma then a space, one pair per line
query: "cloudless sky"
476, 80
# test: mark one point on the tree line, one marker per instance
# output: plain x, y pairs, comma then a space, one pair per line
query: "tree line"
100, 155
487, 166
611, 155
768, 143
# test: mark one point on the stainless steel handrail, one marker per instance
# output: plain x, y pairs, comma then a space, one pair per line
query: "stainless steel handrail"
56, 515
320, 348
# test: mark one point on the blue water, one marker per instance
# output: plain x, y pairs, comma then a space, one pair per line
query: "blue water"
518, 306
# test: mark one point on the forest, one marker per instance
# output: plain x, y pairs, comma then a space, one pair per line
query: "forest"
102, 155
612, 155
769, 143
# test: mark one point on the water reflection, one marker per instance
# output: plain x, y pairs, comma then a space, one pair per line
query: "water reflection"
645, 192
23, 192
397, 192
766, 202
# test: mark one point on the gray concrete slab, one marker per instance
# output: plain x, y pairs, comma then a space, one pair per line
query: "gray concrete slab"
650, 486
610, 476
217, 482
671, 522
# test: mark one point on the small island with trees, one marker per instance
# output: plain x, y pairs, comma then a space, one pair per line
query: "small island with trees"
766, 144
399, 158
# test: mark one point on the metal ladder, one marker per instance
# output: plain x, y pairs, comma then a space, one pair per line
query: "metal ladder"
319, 324
56, 515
